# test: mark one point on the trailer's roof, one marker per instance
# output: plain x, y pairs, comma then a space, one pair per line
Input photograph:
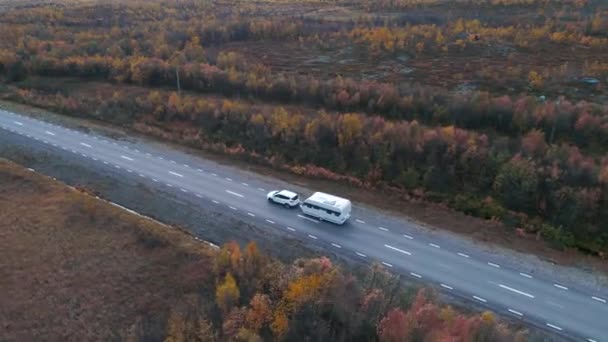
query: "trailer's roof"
330, 200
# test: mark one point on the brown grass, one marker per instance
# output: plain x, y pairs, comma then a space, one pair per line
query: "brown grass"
76, 268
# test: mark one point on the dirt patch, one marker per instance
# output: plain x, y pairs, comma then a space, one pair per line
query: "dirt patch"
75, 268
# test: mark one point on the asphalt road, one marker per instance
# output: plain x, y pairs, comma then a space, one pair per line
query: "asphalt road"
566, 309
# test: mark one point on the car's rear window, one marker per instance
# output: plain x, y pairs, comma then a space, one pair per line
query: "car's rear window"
294, 197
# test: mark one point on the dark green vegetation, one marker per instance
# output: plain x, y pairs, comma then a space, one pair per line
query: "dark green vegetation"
497, 108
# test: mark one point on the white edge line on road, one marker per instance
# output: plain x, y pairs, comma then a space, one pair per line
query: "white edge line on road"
85, 145
447, 287
463, 255
408, 237
561, 287
398, 250
434, 245
360, 221
598, 299
308, 218
176, 174
383, 229
493, 264
336, 245
480, 299
235, 194
313, 237
126, 158
416, 275
250, 214
516, 291
270, 221
361, 255
515, 312
291, 229
525, 275
387, 264
554, 326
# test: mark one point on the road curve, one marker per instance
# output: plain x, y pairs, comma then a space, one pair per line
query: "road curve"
562, 308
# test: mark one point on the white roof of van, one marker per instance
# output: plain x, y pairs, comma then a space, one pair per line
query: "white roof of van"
330, 200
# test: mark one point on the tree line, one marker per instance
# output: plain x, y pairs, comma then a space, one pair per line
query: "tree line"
256, 298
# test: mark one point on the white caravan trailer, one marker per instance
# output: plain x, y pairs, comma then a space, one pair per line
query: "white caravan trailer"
327, 207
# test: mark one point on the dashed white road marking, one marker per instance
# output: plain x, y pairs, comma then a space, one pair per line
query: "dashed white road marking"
231, 207
434, 245
360, 221
229, 179
554, 326
161, 158
85, 145
493, 264
312, 237
408, 237
291, 229
155, 180
245, 184
416, 275
261, 189
591, 340
126, 158
199, 170
129, 171
336, 245
116, 166
516, 291
387, 264
308, 218
398, 250
173, 162
49, 133
235, 194
169, 185
142, 176
148, 154
214, 175
95, 159
186, 165
105, 162
383, 229
199, 195
183, 190
176, 174
447, 287
136, 150
361, 255
515, 312
562, 287
525, 275
18, 123
480, 299
463, 255
599, 299
270, 221
250, 214
44, 141
214, 201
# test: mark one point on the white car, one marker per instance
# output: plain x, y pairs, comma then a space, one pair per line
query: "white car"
284, 197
